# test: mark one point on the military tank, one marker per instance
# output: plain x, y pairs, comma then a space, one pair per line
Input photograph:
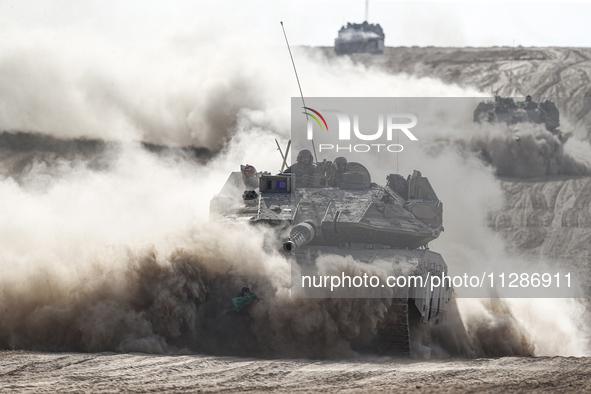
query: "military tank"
340, 211
360, 38
508, 111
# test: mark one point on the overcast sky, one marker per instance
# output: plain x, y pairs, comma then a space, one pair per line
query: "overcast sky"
437, 23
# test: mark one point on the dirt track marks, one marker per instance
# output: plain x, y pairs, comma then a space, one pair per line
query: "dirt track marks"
141, 373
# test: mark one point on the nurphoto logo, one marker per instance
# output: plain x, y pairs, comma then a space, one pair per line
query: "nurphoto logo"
344, 130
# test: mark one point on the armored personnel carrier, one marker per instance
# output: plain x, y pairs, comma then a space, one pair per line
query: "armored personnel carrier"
340, 211
506, 110
360, 38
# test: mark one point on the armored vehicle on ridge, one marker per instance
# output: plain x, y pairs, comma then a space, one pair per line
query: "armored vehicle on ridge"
360, 38
340, 211
506, 110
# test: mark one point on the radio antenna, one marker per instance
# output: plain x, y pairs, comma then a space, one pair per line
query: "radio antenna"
299, 86
397, 135
511, 71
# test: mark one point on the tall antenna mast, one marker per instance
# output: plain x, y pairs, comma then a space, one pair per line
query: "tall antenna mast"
397, 143
511, 71
367, 11
299, 86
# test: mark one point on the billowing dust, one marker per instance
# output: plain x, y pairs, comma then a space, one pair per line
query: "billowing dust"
108, 247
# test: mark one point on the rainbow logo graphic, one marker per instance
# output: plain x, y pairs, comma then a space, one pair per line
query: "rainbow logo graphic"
315, 118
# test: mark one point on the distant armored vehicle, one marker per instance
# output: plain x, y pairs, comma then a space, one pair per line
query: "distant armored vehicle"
339, 211
360, 38
506, 110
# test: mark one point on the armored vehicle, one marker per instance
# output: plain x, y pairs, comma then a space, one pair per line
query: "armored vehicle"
340, 211
360, 38
506, 110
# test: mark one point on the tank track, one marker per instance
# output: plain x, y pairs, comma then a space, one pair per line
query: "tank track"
394, 338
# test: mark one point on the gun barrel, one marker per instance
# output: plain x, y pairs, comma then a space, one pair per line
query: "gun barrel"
300, 235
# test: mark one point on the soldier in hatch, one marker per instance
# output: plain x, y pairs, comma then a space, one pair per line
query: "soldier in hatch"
340, 166
304, 165
529, 104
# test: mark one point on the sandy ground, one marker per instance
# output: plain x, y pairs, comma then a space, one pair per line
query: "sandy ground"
109, 372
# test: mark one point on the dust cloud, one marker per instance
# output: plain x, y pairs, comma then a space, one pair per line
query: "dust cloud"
531, 151
110, 248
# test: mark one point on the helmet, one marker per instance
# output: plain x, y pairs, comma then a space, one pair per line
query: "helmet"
528, 98
303, 153
340, 164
